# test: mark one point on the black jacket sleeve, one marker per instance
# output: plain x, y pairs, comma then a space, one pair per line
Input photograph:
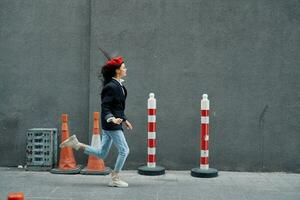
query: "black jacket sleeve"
107, 100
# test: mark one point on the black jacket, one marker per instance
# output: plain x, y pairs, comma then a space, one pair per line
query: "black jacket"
113, 104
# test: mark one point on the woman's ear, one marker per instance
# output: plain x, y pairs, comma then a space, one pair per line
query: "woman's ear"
117, 71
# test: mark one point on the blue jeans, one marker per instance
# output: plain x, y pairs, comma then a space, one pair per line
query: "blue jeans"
109, 137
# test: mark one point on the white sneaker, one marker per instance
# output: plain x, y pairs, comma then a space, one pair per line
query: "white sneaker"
70, 142
117, 182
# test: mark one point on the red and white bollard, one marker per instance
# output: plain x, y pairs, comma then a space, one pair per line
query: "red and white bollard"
151, 168
204, 171
151, 131
204, 132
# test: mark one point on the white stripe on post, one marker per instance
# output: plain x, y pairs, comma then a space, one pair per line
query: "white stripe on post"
151, 165
151, 118
151, 151
206, 138
151, 102
205, 120
204, 153
151, 135
204, 102
204, 167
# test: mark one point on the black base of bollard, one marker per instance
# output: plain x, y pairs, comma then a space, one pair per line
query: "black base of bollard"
155, 171
204, 173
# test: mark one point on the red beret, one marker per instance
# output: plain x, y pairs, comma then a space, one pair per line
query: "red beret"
117, 61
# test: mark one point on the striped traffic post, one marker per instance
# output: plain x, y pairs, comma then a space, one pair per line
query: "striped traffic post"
204, 171
151, 169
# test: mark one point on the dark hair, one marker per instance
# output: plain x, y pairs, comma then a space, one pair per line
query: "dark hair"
107, 72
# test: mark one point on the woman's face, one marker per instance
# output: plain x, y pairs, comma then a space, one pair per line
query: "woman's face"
121, 72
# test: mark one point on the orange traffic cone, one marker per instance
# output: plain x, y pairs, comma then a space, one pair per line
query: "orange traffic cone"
95, 165
67, 163
15, 196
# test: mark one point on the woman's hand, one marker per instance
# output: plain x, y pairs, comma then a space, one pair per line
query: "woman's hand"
128, 125
117, 120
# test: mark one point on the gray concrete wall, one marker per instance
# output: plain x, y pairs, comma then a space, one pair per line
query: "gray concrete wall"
244, 55
44, 70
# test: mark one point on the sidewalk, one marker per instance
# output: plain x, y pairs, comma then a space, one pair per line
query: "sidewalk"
175, 185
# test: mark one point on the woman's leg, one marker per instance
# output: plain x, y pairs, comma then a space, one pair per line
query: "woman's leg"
121, 144
123, 149
102, 151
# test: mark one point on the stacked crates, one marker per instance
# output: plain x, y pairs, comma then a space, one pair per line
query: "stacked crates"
41, 150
